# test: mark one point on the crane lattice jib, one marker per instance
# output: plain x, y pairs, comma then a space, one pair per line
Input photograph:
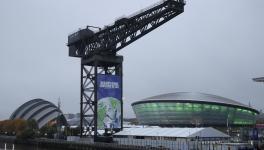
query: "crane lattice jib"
123, 32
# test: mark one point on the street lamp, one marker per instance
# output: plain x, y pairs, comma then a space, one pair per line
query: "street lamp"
260, 79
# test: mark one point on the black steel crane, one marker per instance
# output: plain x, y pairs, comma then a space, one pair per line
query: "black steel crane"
98, 53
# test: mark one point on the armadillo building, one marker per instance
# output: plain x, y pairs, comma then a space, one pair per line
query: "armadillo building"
193, 109
40, 110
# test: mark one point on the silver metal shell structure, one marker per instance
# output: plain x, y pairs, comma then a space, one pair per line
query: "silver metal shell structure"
40, 110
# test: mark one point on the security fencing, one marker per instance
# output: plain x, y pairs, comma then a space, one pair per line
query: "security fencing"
184, 144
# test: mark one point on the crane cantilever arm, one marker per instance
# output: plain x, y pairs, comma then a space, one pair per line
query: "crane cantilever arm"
124, 31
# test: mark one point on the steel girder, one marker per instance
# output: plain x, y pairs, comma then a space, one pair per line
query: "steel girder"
124, 31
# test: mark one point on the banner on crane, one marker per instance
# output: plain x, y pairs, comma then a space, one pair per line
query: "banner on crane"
109, 101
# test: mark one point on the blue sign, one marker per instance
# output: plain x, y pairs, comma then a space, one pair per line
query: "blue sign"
109, 101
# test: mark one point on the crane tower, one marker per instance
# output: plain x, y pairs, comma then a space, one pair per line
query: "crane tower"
101, 105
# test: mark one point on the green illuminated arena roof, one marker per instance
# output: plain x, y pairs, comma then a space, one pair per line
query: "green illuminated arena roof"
186, 109
183, 97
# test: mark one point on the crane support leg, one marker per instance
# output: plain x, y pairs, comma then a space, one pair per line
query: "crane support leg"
90, 69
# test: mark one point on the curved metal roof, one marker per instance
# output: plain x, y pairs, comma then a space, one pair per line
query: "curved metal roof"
37, 109
193, 97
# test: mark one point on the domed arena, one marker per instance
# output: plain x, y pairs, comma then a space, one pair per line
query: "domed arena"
193, 109
40, 110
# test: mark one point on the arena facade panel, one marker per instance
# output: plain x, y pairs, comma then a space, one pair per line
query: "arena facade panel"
40, 110
193, 109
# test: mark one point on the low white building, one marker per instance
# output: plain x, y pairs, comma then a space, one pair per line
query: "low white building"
172, 138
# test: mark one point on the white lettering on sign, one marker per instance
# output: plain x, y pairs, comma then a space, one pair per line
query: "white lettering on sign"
109, 85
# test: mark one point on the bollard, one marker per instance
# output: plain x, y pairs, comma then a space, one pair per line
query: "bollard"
13, 147
5, 146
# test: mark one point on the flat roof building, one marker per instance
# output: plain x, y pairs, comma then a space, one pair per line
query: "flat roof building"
172, 138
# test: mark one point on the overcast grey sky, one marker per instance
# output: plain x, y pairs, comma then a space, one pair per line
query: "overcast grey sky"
215, 47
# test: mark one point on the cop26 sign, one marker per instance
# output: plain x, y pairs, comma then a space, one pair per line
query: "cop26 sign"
109, 101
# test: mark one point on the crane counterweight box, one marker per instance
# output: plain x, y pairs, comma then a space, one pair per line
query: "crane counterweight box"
79, 35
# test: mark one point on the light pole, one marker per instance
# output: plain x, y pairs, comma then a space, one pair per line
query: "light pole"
259, 79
